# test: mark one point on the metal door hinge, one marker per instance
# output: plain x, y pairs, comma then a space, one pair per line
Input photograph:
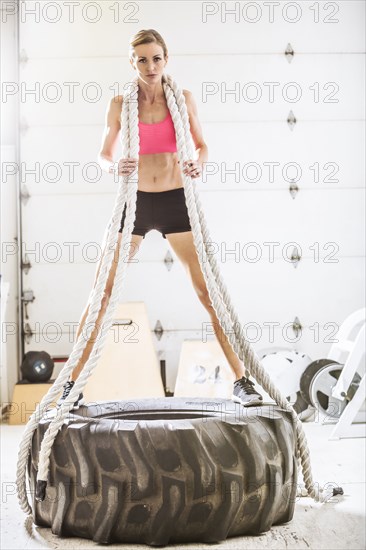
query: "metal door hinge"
168, 260
28, 333
27, 297
293, 190
289, 53
24, 194
26, 265
297, 327
159, 331
291, 120
295, 256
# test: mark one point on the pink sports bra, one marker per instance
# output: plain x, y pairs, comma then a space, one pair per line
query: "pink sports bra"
158, 137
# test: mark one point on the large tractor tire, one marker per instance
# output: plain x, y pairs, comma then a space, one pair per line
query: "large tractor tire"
167, 470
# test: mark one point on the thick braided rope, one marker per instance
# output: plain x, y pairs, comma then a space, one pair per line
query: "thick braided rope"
94, 308
225, 297
219, 293
89, 366
183, 155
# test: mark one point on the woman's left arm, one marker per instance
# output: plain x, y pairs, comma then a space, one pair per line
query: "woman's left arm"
194, 167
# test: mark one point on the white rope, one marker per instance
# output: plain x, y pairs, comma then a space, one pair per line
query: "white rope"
220, 299
219, 295
125, 193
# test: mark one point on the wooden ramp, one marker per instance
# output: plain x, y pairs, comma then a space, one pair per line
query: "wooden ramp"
128, 366
203, 371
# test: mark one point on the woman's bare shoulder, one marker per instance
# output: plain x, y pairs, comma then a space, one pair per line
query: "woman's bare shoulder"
114, 109
187, 94
116, 102
190, 102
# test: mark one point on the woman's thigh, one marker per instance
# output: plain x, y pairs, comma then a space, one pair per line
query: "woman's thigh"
131, 251
184, 247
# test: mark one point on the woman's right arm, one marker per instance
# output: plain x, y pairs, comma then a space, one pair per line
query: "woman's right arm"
124, 167
110, 134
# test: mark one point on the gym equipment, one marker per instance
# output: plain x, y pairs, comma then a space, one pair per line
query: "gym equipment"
351, 343
25, 399
336, 389
285, 367
221, 302
203, 370
169, 470
309, 374
129, 342
37, 366
304, 411
320, 390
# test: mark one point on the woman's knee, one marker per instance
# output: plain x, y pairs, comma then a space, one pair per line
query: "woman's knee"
106, 297
204, 297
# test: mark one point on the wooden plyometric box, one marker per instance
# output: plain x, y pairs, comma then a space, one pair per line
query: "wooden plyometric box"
203, 371
128, 366
26, 397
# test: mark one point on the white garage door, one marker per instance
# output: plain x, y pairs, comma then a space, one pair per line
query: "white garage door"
271, 121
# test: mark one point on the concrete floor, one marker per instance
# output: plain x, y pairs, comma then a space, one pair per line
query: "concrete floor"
340, 524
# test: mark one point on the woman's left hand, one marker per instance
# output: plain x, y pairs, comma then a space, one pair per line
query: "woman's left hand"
192, 168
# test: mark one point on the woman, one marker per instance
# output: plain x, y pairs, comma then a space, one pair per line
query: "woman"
160, 197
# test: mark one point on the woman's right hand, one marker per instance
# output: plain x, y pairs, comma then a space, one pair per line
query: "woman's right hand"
126, 166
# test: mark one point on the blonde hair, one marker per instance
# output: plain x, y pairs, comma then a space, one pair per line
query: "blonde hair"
146, 36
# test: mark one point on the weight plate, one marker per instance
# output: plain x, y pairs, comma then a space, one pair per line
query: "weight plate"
285, 367
308, 375
321, 391
308, 414
304, 410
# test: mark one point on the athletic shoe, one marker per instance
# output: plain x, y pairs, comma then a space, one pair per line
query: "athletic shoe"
67, 389
245, 393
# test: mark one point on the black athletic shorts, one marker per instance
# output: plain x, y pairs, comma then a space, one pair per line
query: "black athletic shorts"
165, 211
